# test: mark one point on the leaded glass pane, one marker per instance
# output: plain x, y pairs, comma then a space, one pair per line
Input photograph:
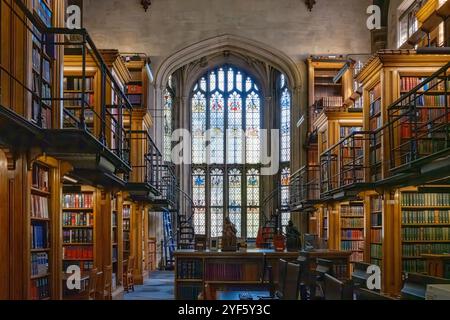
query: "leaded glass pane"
200, 220
235, 188
253, 128
230, 80
217, 125
234, 132
199, 128
252, 222
235, 218
216, 222
253, 188
212, 81
239, 81
282, 81
221, 79
285, 126
248, 84
199, 188
217, 188
203, 84
168, 106
285, 179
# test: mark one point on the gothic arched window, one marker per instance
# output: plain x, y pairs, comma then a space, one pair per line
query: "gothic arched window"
226, 112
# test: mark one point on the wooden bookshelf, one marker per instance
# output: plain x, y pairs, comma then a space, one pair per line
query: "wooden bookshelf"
375, 122
376, 230
352, 229
74, 97
41, 232
425, 227
126, 229
78, 229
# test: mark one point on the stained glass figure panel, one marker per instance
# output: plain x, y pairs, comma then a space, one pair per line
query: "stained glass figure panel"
217, 188
235, 132
168, 107
199, 188
199, 128
285, 126
253, 188
217, 125
253, 128
216, 222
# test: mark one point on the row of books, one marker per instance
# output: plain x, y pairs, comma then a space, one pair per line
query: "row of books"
40, 289
340, 270
126, 225
39, 236
74, 100
78, 219
39, 264
425, 216
357, 257
190, 269
78, 236
43, 11
352, 234
78, 252
45, 94
427, 147
135, 99
376, 235
352, 222
189, 291
76, 113
409, 83
76, 83
331, 101
416, 266
134, 89
376, 219
126, 212
375, 123
42, 115
39, 207
415, 250
431, 101
375, 108
44, 63
114, 219
78, 200
84, 265
231, 271
414, 199
375, 93
40, 177
376, 251
376, 204
352, 245
357, 211
426, 234
346, 131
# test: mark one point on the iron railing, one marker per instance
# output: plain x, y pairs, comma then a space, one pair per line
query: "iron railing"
419, 123
305, 186
102, 110
344, 165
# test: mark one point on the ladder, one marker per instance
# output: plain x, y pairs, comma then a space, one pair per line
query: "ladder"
169, 242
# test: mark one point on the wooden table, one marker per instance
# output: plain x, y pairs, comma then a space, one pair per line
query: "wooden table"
235, 295
341, 260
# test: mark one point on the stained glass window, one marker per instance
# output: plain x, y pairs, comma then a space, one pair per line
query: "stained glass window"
217, 203
168, 107
285, 212
253, 202
199, 199
285, 131
226, 124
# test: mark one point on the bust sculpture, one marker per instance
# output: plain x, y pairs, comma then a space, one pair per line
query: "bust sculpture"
292, 237
229, 239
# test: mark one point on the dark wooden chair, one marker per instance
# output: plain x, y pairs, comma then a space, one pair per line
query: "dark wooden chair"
128, 278
335, 289
92, 289
107, 283
292, 282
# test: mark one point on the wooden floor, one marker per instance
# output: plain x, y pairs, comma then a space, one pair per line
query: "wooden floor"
159, 286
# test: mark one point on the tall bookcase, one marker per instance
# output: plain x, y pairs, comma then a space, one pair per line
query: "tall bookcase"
126, 219
375, 122
42, 66
325, 223
115, 219
352, 229
425, 227
376, 230
41, 225
78, 212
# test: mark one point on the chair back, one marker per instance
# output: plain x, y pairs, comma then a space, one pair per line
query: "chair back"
282, 268
107, 282
292, 282
92, 290
335, 289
